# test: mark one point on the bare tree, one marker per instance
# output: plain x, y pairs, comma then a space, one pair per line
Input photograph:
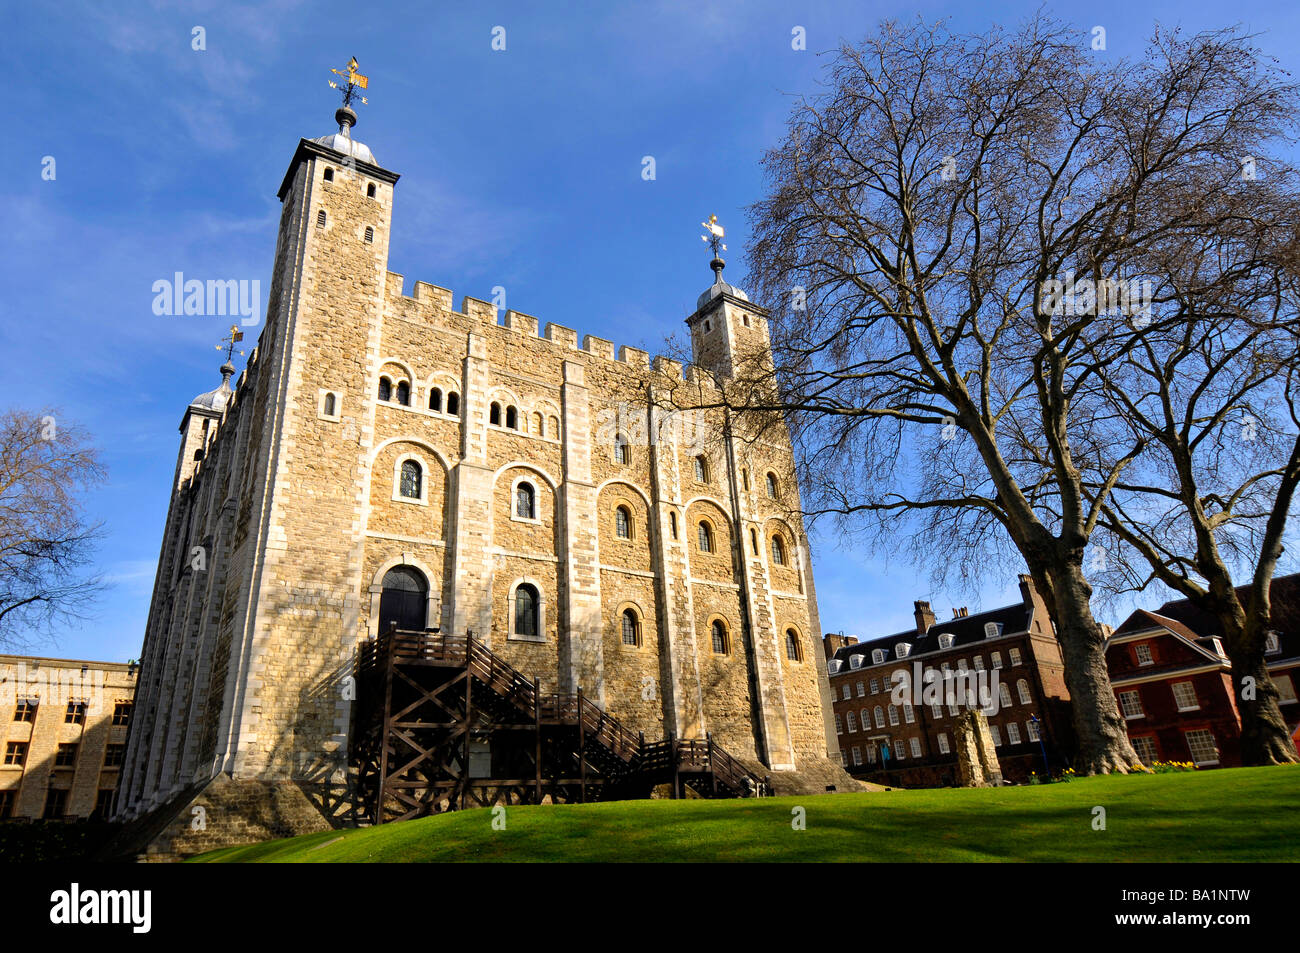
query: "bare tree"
46, 465
927, 211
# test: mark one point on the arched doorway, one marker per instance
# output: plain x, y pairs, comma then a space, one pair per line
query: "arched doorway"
404, 600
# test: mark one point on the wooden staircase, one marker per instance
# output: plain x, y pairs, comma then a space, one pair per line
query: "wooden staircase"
444, 723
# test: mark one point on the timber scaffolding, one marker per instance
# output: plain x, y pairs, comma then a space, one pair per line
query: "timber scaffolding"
444, 724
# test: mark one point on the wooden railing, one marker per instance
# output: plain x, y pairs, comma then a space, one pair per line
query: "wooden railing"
655, 758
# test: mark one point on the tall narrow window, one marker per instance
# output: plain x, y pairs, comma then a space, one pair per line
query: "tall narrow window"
320, 219
771, 485
539, 426
453, 404
622, 523
370, 191
719, 632
526, 612
753, 541
435, 400
329, 405
701, 470
620, 449
385, 389
329, 175
370, 235
792, 646
778, 551
404, 394
494, 414
706, 538
631, 628
411, 477
525, 502
512, 418
672, 524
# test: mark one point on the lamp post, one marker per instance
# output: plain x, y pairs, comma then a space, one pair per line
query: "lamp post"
1042, 747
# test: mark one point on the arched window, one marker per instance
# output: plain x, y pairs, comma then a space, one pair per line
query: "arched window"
880, 717
411, 477
512, 418
494, 414
403, 599
539, 425
753, 540
623, 523
620, 449
527, 607
525, 501
329, 175
1022, 689
672, 524
385, 389
320, 219
329, 405
435, 400
893, 715
706, 537
1004, 695
701, 470
370, 235
778, 551
719, 632
404, 394
631, 628
370, 191
792, 646
554, 423
771, 485
453, 404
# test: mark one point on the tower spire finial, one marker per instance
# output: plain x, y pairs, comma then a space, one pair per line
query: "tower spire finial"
228, 345
344, 115
714, 238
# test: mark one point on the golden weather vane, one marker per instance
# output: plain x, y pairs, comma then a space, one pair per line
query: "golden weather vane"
230, 340
714, 238
355, 82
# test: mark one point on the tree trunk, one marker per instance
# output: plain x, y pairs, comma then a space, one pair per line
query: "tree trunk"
1264, 735
1103, 745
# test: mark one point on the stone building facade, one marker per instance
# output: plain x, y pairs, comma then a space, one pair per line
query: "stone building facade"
63, 728
592, 515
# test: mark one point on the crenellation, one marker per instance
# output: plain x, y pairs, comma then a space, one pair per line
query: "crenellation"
634, 356
598, 346
564, 337
478, 310
522, 323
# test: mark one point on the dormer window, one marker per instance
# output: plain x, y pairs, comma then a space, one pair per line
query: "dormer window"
877, 656
992, 630
833, 666
855, 661
1143, 653
945, 640
1271, 643
902, 649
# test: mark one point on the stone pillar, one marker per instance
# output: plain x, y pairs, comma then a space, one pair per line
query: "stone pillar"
977, 759
471, 590
581, 646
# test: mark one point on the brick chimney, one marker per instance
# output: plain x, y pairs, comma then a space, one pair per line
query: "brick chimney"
832, 642
960, 613
924, 617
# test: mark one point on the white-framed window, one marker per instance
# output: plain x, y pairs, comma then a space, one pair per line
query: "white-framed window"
992, 630
979, 663
844, 758
902, 649
1285, 689
866, 719
1031, 729
1013, 733
329, 405
997, 736
962, 666
862, 690
937, 710
1143, 653
880, 717
871, 754
847, 692
1004, 695
916, 747
855, 661
1272, 645
945, 640
1014, 655
1185, 696
1130, 703
893, 716
839, 724
875, 685
943, 743
527, 613
852, 721
1145, 748
997, 660
833, 666
857, 755
525, 497
909, 715
410, 480
1200, 741
1022, 689
877, 656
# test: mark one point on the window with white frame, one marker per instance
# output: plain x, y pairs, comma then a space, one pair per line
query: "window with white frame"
1130, 703
945, 640
1272, 645
937, 710
833, 666
893, 716
880, 717
1185, 696
1031, 729
1022, 689
992, 630
997, 736
1200, 741
1013, 733
866, 719
943, 743
1285, 689
875, 685
1004, 695
909, 715
847, 692
877, 656
1014, 654
962, 666
844, 757
916, 747
839, 724
871, 754
1145, 748
898, 750
862, 690
902, 650
997, 660
852, 721
979, 663
855, 661
857, 755
1143, 653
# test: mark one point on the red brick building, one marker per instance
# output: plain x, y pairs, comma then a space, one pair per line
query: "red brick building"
911, 745
1172, 679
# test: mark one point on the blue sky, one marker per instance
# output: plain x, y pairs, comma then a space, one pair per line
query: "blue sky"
519, 168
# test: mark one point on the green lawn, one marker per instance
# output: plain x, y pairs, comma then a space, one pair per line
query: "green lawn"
1239, 814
